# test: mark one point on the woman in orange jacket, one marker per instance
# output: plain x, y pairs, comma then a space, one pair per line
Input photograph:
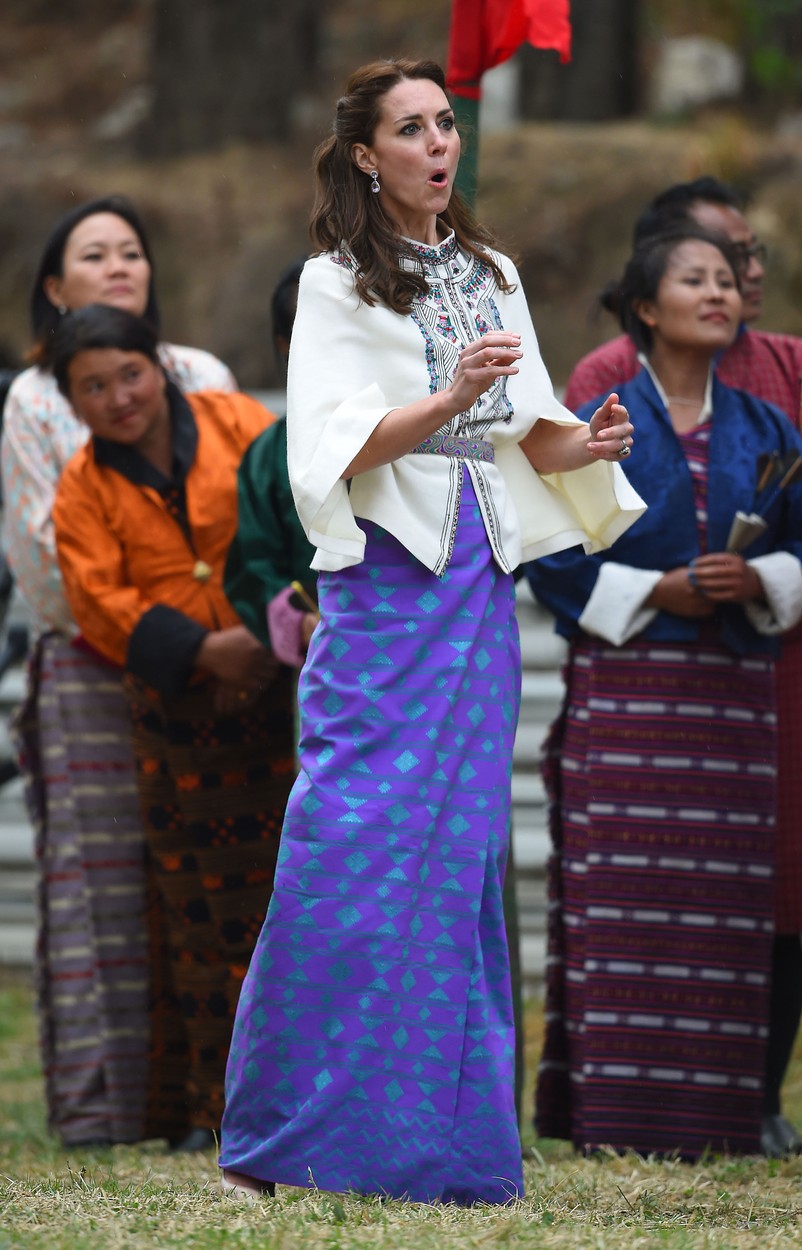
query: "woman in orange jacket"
144, 516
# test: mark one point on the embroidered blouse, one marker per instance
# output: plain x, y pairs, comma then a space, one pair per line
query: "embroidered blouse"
350, 364
40, 434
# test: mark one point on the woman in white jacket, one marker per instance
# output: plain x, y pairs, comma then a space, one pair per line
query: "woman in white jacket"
373, 1048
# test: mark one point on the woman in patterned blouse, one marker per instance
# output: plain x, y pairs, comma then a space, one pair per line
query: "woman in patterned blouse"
73, 732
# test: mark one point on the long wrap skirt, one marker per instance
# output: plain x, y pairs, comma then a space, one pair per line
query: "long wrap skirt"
788, 901
73, 739
662, 774
154, 880
373, 1047
213, 790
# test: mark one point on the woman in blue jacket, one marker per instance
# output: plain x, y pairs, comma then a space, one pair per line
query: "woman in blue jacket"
662, 763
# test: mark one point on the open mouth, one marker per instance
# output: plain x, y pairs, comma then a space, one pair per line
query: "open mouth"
439, 179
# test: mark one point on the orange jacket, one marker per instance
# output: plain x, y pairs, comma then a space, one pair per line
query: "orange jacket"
128, 567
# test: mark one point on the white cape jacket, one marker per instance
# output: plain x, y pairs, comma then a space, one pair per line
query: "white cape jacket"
350, 364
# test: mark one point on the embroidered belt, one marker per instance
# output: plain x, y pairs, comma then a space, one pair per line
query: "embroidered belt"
460, 448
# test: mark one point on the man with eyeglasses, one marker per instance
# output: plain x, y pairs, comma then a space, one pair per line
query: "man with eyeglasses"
767, 365
770, 367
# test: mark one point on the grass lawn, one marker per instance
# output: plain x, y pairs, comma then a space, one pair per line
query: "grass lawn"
54, 1199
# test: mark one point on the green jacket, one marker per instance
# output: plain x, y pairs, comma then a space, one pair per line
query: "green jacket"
270, 549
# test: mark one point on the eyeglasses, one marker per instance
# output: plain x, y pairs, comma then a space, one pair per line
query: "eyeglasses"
744, 252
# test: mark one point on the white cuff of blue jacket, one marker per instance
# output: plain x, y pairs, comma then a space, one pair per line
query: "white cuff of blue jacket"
781, 576
615, 610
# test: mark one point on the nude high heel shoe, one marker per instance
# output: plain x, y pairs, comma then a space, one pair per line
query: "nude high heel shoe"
247, 1187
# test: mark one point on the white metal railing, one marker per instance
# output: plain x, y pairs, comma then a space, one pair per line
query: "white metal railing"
542, 692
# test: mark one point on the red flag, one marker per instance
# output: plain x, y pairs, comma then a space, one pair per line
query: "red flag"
486, 32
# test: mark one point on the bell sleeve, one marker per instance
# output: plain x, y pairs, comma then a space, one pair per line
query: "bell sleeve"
333, 404
593, 505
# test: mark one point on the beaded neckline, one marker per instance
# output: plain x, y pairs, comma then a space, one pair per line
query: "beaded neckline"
440, 254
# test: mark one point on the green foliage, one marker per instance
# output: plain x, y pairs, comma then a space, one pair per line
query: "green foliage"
767, 32
773, 64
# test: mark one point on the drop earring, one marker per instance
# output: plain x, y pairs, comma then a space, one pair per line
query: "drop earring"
374, 181
62, 310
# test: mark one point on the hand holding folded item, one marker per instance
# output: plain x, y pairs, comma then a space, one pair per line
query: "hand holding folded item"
776, 474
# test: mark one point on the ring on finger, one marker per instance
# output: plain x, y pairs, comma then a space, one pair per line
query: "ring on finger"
625, 449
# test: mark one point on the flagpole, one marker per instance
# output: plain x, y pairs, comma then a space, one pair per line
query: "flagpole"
468, 58
484, 33
466, 115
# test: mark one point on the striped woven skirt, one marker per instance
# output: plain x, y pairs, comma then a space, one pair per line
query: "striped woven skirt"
788, 915
373, 1048
662, 775
73, 738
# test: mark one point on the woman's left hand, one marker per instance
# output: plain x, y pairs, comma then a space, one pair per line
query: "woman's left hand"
725, 577
611, 431
553, 448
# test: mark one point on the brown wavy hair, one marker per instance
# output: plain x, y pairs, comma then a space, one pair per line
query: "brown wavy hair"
347, 214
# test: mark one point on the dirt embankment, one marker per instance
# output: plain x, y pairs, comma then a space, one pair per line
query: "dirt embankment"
562, 198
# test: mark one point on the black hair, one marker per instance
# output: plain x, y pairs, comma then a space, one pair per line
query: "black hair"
45, 316
284, 299
95, 327
675, 204
646, 268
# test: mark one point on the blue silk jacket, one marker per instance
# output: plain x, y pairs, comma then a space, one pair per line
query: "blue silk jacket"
666, 536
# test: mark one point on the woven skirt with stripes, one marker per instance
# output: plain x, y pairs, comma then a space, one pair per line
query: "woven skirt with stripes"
374, 1044
788, 917
213, 790
73, 739
661, 771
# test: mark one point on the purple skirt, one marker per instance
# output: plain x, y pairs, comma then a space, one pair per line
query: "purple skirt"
373, 1048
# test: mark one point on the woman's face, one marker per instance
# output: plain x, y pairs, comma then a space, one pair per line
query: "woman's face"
415, 150
103, 263
727, 220
120, 395
697, 304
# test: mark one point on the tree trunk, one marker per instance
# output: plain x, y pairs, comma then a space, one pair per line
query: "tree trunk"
227, 69
599, 83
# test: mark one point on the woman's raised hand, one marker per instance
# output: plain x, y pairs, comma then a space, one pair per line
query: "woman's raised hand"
494, 355
611, 431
